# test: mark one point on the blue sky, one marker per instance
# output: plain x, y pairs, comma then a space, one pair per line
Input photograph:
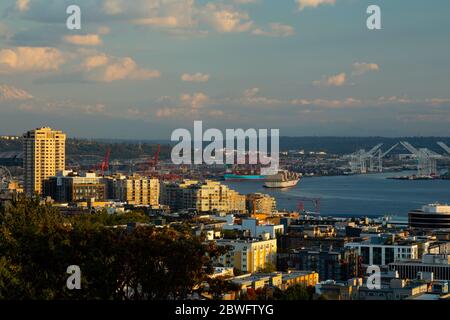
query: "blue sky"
139, 69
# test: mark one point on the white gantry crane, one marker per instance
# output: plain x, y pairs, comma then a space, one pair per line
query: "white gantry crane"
444, 146
362, 161
426, 159
380, 155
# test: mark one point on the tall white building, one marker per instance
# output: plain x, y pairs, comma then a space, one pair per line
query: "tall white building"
44, 154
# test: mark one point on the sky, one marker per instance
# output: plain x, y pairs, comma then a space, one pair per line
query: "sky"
140, 69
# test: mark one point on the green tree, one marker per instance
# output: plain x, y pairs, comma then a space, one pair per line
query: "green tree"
37, 244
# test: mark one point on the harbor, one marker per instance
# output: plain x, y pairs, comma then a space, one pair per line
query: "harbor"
371, 195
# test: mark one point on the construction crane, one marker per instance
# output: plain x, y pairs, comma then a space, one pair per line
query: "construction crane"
104, 165
314, 201
426, 159
152, 163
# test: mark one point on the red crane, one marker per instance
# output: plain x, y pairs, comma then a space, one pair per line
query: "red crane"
104, 165
152, 163
315, 202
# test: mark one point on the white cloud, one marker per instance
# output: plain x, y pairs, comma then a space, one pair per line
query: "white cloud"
22, 5
30, 59
113, 7
332, 81
84, 40
194, 101
251, 97
225, 19
188, 105
276, 30
196, 77
9, 93
103, 68
246, 1
302, 4
250, 93
328, 103
360, 68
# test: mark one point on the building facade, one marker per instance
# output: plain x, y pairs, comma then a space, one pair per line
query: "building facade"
430, 217
249, 255
383, 254
43, 156
137, 190
260, 203
204, 197
438, 264
68, 186
330, 265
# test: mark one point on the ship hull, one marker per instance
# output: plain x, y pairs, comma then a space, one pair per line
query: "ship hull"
281, 184
240, 177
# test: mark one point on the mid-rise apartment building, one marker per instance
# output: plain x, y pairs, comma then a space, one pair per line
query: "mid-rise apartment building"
384, 253
207, 196
249, 255
260, 203
137, 190
69, 186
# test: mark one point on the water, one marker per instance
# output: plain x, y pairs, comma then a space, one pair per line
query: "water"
357, 195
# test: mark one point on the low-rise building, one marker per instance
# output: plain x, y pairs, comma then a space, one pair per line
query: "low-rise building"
398, 289
330, 265
69, 186
256, 229
438, 264
383, 252
430, 217
280, 280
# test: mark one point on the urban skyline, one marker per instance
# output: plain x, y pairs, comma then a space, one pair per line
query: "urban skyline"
154, 66
215, 157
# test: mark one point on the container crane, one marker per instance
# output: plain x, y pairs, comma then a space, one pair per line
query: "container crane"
362, 161
444, 146
426, 159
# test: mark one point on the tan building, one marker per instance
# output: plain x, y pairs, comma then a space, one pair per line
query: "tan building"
281, 280
44, 155
249, 256
137, 190
260, 203
204, 196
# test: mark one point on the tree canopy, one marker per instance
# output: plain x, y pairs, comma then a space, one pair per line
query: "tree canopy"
37, 244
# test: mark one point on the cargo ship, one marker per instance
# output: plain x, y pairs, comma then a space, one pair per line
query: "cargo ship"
283, 179
233, 176
244, 175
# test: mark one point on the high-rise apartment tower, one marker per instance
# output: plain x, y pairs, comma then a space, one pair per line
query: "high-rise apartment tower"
43, 156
